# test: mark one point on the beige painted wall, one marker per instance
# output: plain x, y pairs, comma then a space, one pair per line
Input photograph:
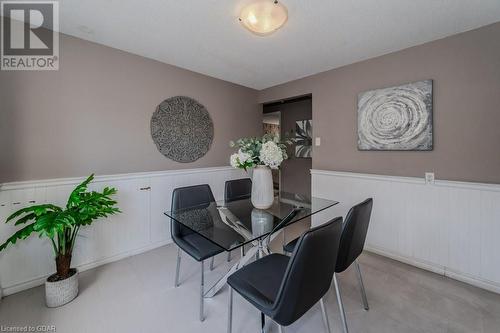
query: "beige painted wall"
93, 115
466, 73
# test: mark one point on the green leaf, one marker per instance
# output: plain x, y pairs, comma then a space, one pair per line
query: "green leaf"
21, 234
25, 219
74, 197
37, 209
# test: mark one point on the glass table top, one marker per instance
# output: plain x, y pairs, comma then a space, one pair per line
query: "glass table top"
233, 224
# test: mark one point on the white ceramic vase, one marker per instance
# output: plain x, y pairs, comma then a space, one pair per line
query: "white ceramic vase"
262, 187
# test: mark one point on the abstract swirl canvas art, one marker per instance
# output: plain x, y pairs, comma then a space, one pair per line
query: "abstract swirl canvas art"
396, 118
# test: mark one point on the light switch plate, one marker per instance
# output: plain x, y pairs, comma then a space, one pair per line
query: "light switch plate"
318, 141
429, 177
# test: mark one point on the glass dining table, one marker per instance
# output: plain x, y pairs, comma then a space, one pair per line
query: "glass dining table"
232, 225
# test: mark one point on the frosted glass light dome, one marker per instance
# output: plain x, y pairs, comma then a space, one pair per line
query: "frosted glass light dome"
263, 17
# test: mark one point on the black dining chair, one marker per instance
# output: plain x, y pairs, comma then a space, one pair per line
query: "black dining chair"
352, 242
237, 189
187, 240
285, 288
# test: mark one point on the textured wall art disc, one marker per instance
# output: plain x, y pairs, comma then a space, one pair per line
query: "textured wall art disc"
396, 118
182, 129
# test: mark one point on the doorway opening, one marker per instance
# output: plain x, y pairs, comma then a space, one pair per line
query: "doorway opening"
292, 118
271, 122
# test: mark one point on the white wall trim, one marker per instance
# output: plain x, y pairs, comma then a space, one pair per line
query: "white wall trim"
447, 227
410, 180
143, 198
105, 178
468, 185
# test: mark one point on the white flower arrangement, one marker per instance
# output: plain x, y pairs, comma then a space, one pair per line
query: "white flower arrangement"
271, 155
241, 159
268, 151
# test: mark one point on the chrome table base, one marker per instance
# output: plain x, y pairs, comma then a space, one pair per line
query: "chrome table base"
258, 250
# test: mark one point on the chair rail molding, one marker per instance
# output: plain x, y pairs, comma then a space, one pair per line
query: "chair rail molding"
448, 227
142, 226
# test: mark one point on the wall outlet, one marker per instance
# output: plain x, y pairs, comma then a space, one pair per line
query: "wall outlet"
318, 141
429, 177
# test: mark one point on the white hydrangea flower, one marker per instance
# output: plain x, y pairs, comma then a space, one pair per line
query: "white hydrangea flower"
239, 159
233, 160
243, 157
271, 155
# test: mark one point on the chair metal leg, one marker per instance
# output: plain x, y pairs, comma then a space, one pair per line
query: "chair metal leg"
212, 263
242, 253
228, 256
260, 252
202, 284
361, 284
341, 305
325, 315
178, 267
230, 312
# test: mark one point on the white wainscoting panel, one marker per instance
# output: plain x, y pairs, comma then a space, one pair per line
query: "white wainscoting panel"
451, 228
142, 226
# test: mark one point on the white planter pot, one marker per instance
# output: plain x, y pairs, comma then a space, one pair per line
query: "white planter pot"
262, 187
61, 292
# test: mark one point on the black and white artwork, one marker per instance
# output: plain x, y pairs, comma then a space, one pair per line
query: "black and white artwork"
182, 129
303, 138
396, 118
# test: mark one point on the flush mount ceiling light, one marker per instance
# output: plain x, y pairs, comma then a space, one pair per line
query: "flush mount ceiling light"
263, 17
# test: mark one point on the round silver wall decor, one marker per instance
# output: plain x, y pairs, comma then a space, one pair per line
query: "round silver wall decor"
182, 129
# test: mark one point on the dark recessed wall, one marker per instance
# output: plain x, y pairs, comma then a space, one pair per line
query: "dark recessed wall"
295, 172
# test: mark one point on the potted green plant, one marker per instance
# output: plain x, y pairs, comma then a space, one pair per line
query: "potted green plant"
61, 226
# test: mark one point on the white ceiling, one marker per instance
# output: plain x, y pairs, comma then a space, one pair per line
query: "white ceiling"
205, 35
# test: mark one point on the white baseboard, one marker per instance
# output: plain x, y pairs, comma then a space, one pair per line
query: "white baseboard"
407, 260
474, 281
38, 281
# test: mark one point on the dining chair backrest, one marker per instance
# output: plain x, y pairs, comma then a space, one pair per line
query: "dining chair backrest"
309, 272
185, 197
238, 189
354, 233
